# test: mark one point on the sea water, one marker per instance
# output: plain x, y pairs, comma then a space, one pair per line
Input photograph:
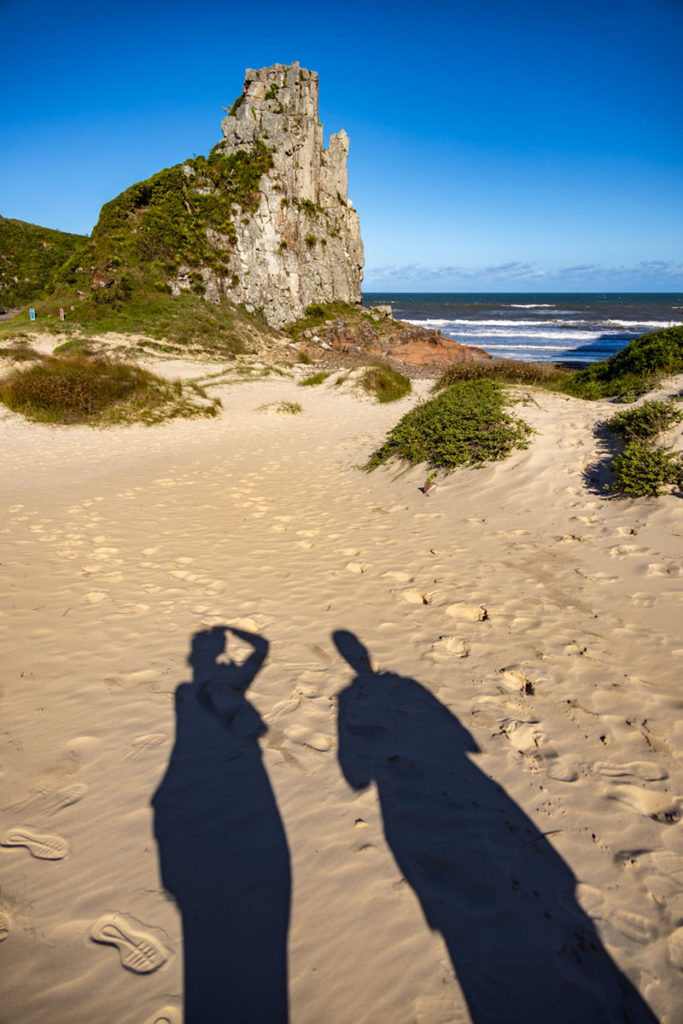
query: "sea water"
564, 326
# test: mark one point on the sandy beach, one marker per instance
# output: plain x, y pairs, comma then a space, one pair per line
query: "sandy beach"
360, 754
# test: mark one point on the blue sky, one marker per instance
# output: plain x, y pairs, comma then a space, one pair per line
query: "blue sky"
494, 145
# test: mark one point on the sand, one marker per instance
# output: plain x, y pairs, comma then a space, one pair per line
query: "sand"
445, 736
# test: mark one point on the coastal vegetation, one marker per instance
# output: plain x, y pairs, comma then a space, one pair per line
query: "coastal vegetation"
645, 421
384, 383
29, 257
505, 371
465, 425
314, 379
626, 375
172, 227
646, 469
634, 370
99, 391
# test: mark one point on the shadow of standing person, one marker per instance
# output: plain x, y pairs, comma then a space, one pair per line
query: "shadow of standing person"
522, 948
222, 847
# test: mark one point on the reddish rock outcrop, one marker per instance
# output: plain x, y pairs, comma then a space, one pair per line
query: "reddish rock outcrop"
392, 340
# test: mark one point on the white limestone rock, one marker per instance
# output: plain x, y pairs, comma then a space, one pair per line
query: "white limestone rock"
303, 243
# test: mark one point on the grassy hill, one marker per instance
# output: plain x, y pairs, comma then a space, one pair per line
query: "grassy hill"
179, 220
29, 257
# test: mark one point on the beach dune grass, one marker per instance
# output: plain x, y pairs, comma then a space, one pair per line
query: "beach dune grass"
75, 388
314, 379
385, 383
465, 425
505, 371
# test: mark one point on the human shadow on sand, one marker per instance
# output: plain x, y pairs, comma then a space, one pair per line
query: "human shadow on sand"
222, 847
522, 948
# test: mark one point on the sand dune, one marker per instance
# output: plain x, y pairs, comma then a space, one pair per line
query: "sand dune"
417, 735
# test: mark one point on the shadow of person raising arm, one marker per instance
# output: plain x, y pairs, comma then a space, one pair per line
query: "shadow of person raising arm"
522, 948
222, 847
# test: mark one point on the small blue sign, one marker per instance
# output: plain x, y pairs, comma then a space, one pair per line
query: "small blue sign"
32, 313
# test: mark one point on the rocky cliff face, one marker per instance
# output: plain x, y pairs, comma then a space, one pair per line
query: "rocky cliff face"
301, 244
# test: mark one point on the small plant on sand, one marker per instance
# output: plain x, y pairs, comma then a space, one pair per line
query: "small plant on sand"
286, 408
314, 379
466, 425
646, 421
386, 384
645, 469
99, 391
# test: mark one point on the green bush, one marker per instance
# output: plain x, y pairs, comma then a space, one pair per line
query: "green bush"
648, 420
78, 389
634, 370
463, 426
644, 469
386, 384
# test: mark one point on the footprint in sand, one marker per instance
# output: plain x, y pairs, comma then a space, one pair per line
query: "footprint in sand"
68, 796
598, 904
400, 577
664, 569
44, 847
675, 948
167, 1015
414, 596
517, 678
354, 567
141, 744
5, 924
643, 770
139, 950
450, 647
525, 736
650, 802
306, 737
467, 612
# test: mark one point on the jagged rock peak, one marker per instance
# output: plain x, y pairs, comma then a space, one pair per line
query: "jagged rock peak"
302, 244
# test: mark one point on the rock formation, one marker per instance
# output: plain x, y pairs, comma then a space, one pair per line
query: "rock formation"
301, 244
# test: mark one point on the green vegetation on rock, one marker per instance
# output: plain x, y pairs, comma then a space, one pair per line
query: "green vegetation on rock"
147, 233
465, 425
29, 257
99, 391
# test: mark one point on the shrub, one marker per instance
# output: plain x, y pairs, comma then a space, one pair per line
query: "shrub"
634, 370
648, 420
78, 389
386, 384
644, 469
463, 426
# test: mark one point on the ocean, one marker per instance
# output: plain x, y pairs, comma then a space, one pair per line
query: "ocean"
565, 326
